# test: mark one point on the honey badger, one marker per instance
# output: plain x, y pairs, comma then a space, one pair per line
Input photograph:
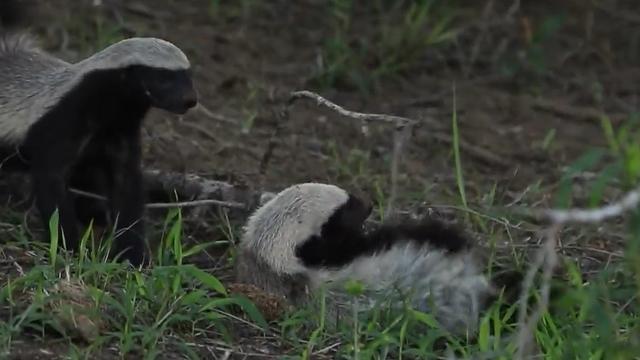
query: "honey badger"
311, 235
78, 124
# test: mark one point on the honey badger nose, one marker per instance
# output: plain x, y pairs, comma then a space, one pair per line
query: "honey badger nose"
190, 99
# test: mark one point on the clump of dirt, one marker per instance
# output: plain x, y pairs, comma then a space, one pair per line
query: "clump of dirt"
272, 307
74, 308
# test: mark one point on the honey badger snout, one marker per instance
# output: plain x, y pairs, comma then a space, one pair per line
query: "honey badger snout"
186, 98
190, 99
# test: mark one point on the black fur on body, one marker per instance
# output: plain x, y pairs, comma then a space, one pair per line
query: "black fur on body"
342, 239
12, 12
90, 140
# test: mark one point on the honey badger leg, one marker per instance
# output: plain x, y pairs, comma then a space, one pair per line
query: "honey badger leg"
51, 194
90, 176
110, 167
126, 195
48, 171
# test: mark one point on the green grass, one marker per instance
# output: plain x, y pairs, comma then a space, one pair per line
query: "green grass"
243, 9
93, 33
532, 61
456, 153
141, 309
175, 306
586, 322
589, 318
592, 317
392, 44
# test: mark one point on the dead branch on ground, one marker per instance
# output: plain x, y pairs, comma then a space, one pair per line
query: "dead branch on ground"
547, 257
200, 192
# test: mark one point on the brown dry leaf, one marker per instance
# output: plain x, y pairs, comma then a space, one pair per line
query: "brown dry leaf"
271, 306
75, 309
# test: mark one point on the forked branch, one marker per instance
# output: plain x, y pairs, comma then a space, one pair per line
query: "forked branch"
547, 257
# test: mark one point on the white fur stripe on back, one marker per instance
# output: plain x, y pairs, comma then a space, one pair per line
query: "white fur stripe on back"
32, 81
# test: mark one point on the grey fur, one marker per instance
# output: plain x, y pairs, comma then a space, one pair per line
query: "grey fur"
33, 81
451, 286
253, 270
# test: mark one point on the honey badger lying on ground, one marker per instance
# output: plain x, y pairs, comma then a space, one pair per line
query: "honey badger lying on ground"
78, 125
311, 235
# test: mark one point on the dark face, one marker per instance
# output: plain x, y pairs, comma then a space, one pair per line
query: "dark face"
349, 217
170, 90
342, 237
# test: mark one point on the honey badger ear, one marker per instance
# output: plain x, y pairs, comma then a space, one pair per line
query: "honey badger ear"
353, 213
265, 197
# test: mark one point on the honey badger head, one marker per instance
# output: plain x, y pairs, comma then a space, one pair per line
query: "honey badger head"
279, 231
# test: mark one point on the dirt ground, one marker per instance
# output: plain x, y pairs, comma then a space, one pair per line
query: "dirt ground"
245, 64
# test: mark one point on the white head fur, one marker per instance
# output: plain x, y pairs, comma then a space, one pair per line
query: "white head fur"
32, 81
288, 219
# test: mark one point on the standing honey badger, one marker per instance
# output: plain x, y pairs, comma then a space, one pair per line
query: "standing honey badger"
78, 125
311, 235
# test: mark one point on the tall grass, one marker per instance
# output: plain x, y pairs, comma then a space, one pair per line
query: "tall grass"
139, 310
395, 42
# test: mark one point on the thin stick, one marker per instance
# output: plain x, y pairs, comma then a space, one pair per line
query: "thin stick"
193, 203
628, 202
218, 117
88, 194
282, 118
168, 205
396, 120
402, 134
399, 139
548, 258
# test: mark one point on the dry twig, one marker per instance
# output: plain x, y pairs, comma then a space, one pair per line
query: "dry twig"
206, 192
403, 131
558, 216
401, 136
217, 117
396, 120
282, 118
193, 203
547, 257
